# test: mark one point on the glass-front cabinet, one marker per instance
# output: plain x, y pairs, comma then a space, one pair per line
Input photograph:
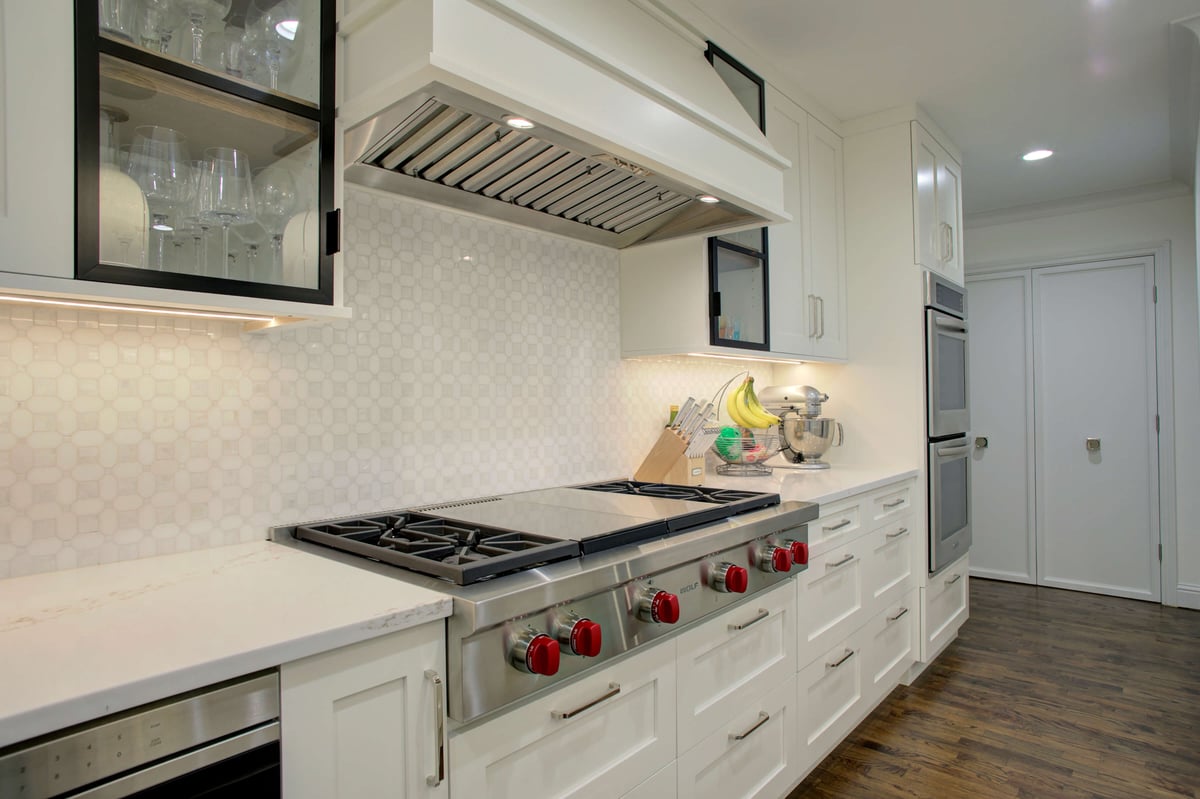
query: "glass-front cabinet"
205, 150
738, 277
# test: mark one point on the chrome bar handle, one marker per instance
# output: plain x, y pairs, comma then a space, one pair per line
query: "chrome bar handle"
953, 580
439, 731
762, 614
896, 504
849, 654
821, 316
898, 615
763, 718
614, 689
812, 316
896, 534
841, 562
830, 528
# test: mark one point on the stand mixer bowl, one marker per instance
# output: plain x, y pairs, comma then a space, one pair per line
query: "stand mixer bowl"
806, 440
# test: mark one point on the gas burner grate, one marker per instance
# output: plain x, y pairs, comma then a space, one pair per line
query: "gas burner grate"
461, 553
714, 496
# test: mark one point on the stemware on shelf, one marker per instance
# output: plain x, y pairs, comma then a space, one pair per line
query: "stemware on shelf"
158, 162
157, 23
117, 18
190, 225
226, 193
275, 201
198, 14
278, 24
124, 214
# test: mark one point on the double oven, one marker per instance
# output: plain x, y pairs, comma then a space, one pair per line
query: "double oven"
947, 421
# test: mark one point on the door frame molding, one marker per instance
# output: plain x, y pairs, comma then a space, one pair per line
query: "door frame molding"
1160, 253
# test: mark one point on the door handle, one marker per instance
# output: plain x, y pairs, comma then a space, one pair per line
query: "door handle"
821, 316
981, 442
763, 718
439, 730
812, 315
1093, 444
613, 689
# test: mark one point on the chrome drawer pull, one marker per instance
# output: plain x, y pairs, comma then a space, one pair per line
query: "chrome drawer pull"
837, 526
898, 533
896, 504
559, 714
954, 579
897, 616
439, 730
849, 654
763, 718
841, 562
762, 614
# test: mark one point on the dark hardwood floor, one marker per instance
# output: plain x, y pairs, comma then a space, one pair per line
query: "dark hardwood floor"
1045, 694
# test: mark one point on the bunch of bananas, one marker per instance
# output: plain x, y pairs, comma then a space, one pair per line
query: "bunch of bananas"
744, 409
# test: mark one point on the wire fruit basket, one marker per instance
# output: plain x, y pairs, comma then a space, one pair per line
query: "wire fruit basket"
744, 449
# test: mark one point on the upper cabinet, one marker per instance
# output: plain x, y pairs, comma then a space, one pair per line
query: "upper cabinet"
937, 204
203, 141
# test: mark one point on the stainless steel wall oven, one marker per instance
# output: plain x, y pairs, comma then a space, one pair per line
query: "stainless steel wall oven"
947, 421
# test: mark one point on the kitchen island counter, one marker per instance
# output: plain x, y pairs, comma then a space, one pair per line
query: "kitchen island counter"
821, 486
83, 643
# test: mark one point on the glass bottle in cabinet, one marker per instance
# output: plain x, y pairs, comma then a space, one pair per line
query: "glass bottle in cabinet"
205, 154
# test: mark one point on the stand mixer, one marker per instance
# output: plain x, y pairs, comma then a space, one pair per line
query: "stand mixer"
806, 434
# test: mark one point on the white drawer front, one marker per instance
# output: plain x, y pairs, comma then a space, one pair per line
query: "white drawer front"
945, 607
754, 754
603, 751
830, 693
831, 598
890, 566
729, 659
661, 786
890, 646
840, 521
891, 501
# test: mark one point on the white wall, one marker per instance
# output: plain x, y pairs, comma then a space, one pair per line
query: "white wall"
1123, 228
124, 436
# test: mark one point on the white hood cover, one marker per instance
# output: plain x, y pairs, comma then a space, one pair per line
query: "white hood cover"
632, 123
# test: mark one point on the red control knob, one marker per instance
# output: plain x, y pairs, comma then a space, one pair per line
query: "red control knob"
727, 578
664, 608
541, 656
535, 653
799, 552
657, 606
585, 638
775, 559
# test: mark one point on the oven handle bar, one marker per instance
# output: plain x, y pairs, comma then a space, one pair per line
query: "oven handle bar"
144, 778
950, 323
952, 452
614, 689
439, 730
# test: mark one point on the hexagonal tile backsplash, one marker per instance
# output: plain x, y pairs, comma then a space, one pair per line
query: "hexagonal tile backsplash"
482, 358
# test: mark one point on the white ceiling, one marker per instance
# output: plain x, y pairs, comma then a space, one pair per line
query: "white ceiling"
1085, 78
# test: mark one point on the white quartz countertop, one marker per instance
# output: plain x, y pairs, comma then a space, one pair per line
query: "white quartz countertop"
820, 486
80, 644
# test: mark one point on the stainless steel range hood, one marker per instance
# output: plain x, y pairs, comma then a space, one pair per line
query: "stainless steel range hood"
631, 124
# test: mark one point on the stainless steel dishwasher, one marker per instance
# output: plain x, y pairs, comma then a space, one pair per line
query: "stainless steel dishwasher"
220, 741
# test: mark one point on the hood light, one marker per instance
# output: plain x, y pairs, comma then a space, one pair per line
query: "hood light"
707, 198
1037, 155
520, 123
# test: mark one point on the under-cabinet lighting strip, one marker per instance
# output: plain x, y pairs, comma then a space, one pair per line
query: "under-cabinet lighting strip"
742, 358
101, 306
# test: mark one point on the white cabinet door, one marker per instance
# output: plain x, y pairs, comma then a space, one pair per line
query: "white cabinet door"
753, 755
830, 699
365, 720
889, 570
890, 646
949, 201
831, 603
1002, 525
729, 659
937, 206
825, 255
37, 137
661, 786
792, 322
598, 737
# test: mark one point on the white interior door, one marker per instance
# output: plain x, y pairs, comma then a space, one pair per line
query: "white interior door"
1003, 542
1094, 379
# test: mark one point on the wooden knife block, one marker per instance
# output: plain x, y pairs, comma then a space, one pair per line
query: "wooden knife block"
666, 463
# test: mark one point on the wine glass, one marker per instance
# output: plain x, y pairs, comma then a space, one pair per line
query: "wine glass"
199, 12
278, 25
157, 23
158, 162
226, 193
190, 224
252, 237
275, 200
117, 17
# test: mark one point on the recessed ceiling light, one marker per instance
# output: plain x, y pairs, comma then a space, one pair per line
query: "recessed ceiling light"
707, 198
520, 123
1037, 155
